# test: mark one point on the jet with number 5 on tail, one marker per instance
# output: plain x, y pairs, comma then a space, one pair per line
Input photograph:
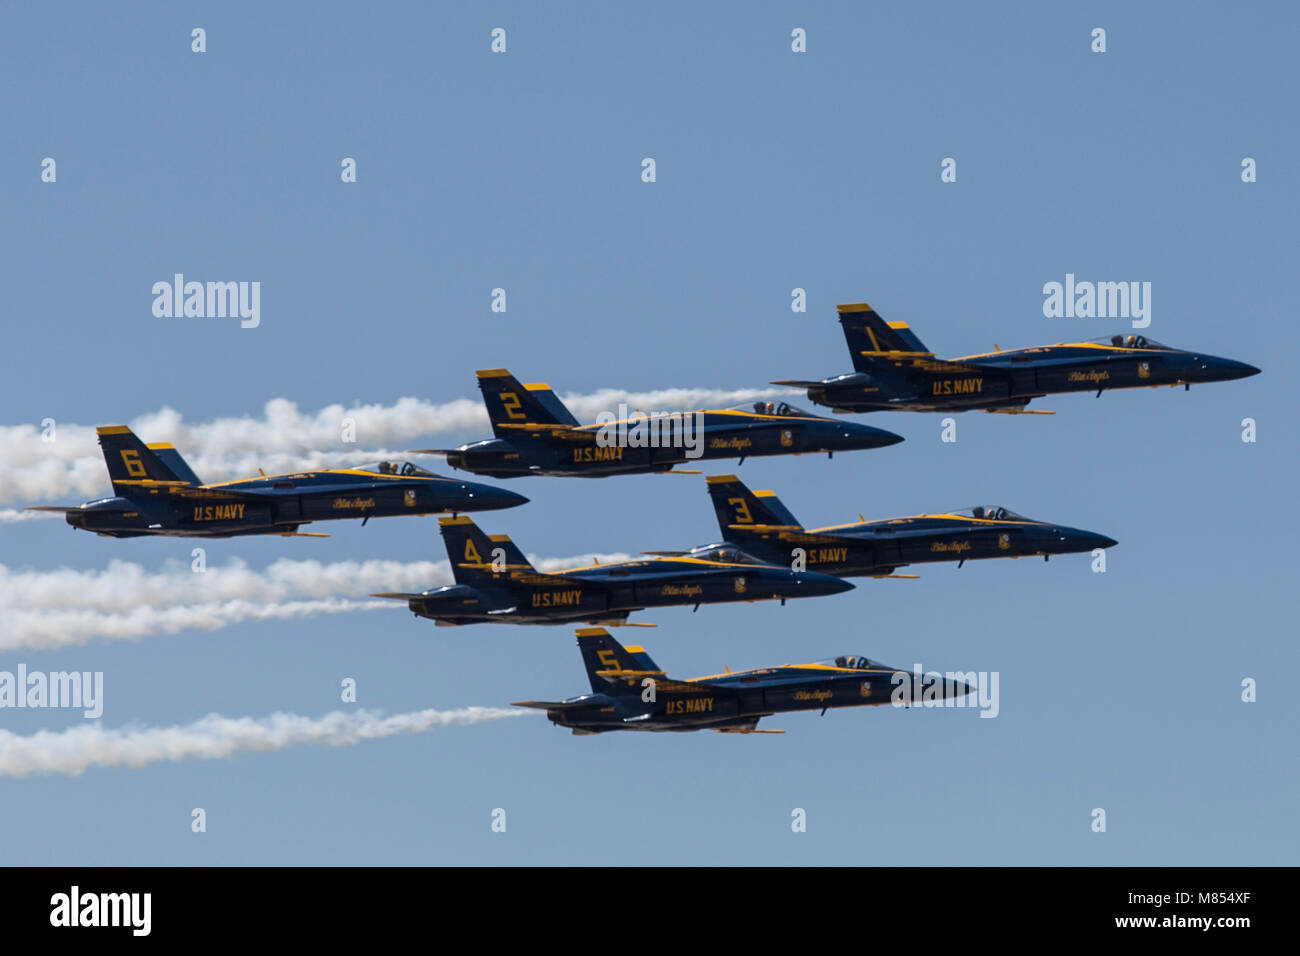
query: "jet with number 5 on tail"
495, 582
537, 435
158, 494
895, 372
629, 692
757, 522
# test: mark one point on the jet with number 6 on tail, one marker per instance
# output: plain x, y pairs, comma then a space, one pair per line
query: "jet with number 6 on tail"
629, 692
158, 494
496, 583
537, 435
757, 522
895, 372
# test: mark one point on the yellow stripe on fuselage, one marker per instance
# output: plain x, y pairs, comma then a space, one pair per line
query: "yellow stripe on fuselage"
329, 471
1058, 345
966, 518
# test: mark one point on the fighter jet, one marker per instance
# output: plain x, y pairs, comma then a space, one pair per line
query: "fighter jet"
759, 523
495, 582
629, 692
537, 435
158, 494
895, 372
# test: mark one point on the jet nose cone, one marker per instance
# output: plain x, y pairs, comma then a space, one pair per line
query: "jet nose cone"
1076, 539
813, 583
1217, 369
959, 689
487, 498
865, 436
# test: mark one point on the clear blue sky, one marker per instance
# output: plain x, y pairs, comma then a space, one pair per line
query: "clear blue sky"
775, 170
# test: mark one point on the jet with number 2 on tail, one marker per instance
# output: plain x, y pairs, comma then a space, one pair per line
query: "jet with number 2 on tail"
629, 692
496, 583
895, 372
759, 523
158, 494
537, 435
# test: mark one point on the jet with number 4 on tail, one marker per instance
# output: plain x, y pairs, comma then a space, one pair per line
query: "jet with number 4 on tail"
629, 692
537, 435
757, 522
495, 582
158, 494
895, 372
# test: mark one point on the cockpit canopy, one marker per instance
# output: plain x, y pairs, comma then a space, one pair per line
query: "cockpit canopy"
784, 409
726, 553
1128, 342
402, 468
989, 513
855, 661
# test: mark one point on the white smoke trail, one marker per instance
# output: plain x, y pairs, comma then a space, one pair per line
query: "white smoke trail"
72, 751
284, 438
48, 610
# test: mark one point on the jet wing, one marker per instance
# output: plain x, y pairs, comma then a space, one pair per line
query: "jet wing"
662, 683
792, 533
543, 430
942, 366
182, 489
538, 578
746, 730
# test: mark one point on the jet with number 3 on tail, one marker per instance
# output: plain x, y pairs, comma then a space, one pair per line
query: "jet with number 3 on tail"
757, 522
895, 372
495, 582
156, 493
630, 692
537, 435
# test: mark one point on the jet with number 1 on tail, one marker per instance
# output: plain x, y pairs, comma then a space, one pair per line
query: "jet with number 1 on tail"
630, 692
496, 583
537, 435
759, 523
893, 371
156, 493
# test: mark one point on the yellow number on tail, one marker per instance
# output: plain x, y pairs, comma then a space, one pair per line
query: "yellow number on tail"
609, 660
742, 510
134, 466
511, 401
471, 553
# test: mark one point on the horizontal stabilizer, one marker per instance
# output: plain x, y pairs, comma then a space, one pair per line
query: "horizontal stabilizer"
304, 534
794, 383
429, 451
396, 595
59, 508
548, 704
